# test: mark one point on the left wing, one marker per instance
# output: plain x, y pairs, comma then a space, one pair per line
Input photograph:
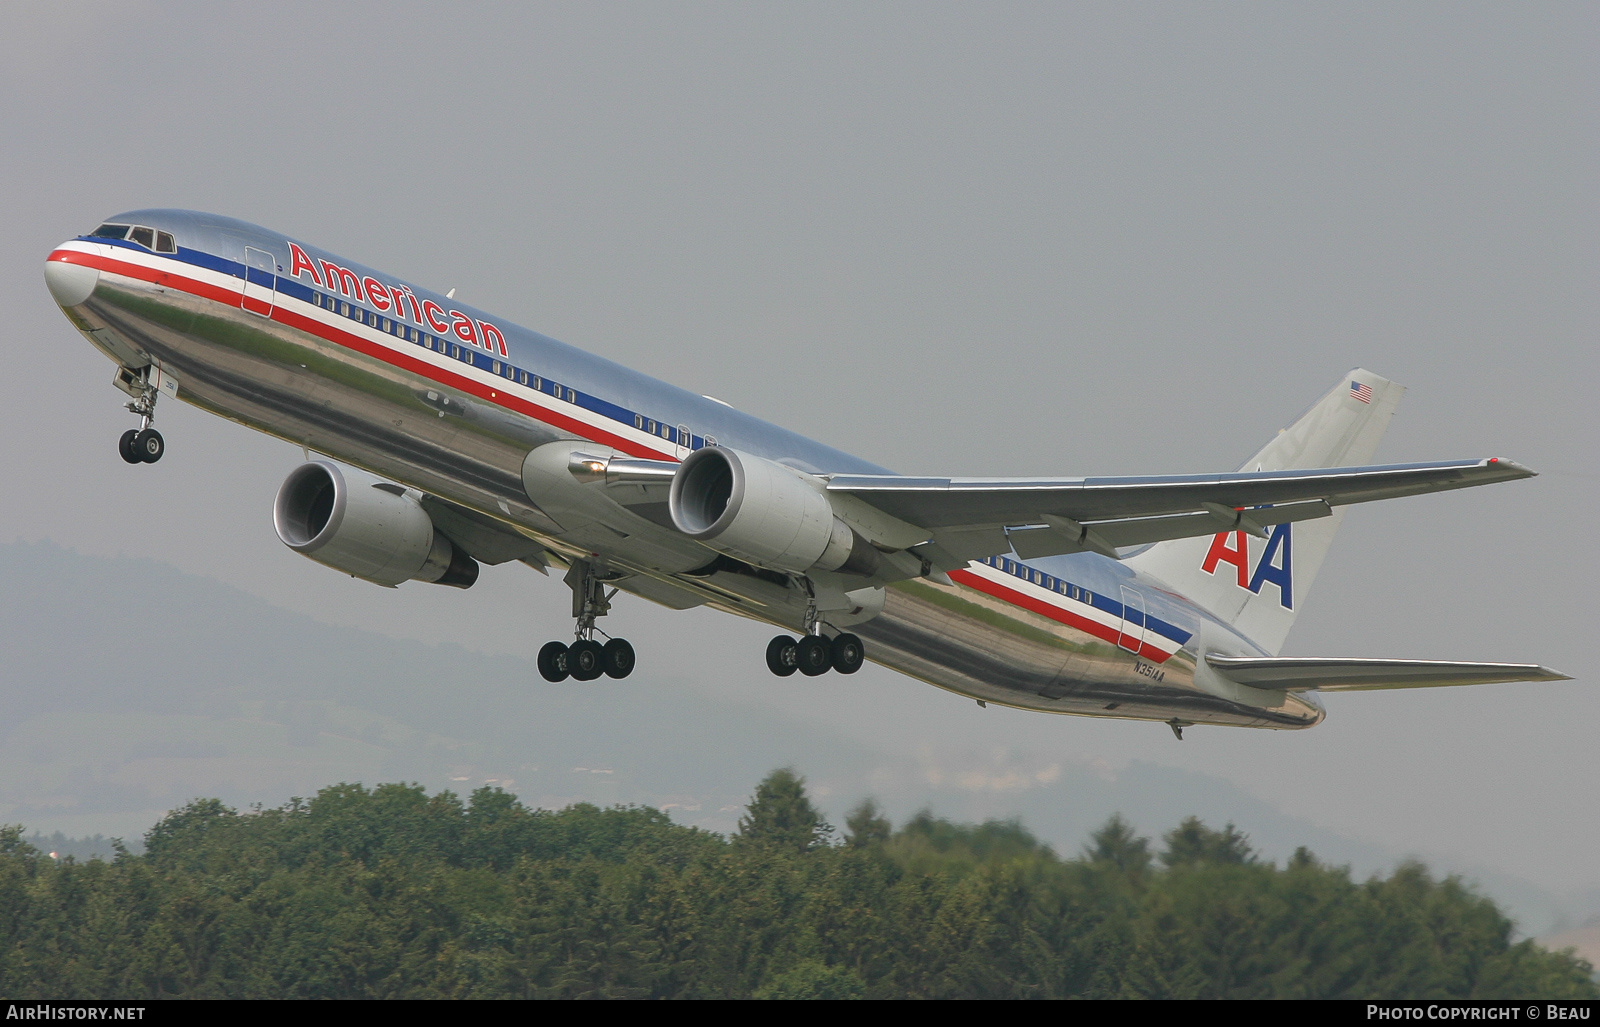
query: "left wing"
969, 518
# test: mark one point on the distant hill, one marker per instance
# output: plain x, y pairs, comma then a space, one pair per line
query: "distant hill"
1586, 940
59, 846
112, 719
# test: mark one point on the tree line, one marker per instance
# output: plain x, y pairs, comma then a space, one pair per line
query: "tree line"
389, 892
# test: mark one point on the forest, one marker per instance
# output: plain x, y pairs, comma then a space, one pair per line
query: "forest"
389, 892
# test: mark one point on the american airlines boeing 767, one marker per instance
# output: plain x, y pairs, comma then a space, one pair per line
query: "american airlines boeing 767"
456, 439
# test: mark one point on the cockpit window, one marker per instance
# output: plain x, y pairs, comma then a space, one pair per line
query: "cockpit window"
149, 238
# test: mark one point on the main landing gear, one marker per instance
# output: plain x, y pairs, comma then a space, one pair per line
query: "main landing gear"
813, 653
587, 659
142, 445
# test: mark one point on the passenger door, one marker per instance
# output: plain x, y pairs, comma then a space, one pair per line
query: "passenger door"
260, 282
1131, 637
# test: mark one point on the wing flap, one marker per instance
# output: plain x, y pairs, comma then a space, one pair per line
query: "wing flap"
1332, 675
1108, 536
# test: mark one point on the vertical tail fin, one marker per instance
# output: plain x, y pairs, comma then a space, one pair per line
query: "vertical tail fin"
1258, 585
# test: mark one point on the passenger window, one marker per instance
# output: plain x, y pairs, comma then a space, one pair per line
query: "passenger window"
145, 237
572, 395
497, 367
344, 309
387, 326
165, 243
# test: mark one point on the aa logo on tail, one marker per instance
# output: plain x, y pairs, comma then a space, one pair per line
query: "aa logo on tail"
1274, 566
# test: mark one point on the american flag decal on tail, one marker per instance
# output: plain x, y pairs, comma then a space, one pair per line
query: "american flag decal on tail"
1361, 392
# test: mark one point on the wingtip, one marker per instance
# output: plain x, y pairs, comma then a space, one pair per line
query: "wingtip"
1518, 470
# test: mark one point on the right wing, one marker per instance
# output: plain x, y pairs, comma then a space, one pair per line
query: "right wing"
970, 518
1308, 674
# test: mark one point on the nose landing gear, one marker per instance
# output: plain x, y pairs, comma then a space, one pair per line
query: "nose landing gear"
141, 445
587, 659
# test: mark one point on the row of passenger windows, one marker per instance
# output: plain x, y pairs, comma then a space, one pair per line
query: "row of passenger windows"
149, 238
680, 435
1038, 577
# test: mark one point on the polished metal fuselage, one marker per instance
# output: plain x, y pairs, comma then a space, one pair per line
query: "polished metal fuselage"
355, 391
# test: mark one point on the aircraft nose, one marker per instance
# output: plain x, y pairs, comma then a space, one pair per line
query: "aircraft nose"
70, 283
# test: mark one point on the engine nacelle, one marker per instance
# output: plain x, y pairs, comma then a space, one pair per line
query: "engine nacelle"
765, 514
356, 523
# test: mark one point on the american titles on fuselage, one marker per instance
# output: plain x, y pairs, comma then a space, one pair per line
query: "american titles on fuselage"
399, 298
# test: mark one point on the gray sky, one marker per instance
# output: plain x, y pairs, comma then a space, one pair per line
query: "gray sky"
1153, 233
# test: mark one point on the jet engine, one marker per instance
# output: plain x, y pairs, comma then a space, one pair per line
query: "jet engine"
369, 528
764, 513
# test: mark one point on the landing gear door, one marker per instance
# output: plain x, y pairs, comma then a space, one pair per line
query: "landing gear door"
260, 282
1131, 637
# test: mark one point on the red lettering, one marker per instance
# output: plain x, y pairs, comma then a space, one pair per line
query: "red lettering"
376, 293
298, 262
1238, 555
343, 278
463, 328
435, 315
492, 339
416, 315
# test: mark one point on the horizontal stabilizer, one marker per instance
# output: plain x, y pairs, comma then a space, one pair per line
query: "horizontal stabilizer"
1307, 674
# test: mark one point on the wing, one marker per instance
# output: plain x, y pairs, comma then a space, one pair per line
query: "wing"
1301, 675
968, 518
487, 540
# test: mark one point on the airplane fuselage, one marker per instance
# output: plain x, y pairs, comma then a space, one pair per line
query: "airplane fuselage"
437, 396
